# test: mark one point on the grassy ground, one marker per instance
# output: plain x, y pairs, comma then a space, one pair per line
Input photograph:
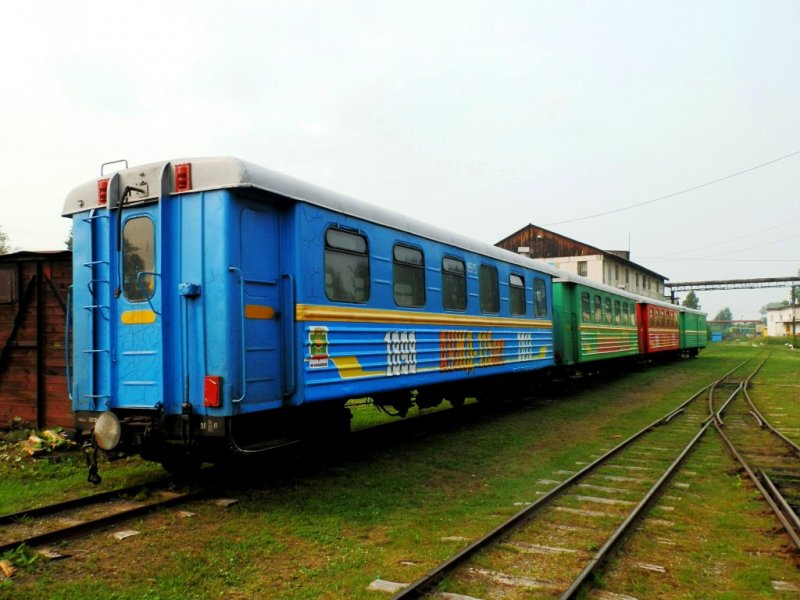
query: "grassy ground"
341, 520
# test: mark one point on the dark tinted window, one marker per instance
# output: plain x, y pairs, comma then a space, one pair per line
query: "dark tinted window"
488, 282
516, 294
586, 302
346, 266
454, 284
540, 298
138, 257
409, 276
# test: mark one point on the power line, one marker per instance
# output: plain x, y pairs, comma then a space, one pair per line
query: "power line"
728, 241
685, 191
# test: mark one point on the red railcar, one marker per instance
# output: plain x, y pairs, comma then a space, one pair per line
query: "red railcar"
658, 328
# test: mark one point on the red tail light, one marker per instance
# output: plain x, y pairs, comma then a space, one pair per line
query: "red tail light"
102, 191
183, 177
211, 394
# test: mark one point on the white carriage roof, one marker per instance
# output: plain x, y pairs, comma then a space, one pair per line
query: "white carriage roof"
564, 276
156, 180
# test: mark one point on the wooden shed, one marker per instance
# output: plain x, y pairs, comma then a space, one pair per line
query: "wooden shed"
33, 317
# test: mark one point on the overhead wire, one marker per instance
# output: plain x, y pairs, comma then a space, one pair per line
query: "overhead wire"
674, 194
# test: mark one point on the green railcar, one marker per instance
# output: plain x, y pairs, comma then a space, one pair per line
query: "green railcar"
694, 334
592, 322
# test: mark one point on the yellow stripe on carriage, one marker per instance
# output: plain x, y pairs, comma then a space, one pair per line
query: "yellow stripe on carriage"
348, 366
307, 312
138, 317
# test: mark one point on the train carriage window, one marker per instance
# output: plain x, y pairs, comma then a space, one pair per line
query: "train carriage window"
625, 314
598, 309
489, 287
652, 320
607, 310
586, 303
138, 259
540, 298
409, 276
516, 294
8, 285
454, 284
617, 317
346, 266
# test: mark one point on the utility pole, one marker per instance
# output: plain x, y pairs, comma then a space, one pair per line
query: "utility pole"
794, 316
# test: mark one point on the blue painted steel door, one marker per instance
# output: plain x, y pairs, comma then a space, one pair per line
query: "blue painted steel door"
261, 312
139, 340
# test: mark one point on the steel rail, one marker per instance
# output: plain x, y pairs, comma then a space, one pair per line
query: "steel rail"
422, 585
635, 515
781, 500
632, 519
775, 508
793, 534
99, 523
49, 509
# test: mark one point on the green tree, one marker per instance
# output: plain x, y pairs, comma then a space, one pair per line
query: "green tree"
691, 300
5, 244
68, 241
724, 315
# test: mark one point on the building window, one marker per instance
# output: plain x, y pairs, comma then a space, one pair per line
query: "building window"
583, 268
138, 259
409, 277
454, 284
616, 273
489, 288
346, 266
540, 298
516, 294
627, 276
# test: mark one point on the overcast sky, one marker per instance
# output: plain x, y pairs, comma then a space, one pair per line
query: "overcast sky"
479, 117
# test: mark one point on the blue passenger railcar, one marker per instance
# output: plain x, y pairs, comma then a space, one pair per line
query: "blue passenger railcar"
218, 305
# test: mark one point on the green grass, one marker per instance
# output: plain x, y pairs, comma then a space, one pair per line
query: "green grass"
338, 521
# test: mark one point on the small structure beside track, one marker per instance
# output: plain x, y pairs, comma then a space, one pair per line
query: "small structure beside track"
33, 308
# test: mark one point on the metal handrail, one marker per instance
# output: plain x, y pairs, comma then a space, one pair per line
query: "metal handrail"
244, 349
66, 343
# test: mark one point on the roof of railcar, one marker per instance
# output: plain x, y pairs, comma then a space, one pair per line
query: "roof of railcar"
232, 173
565, 276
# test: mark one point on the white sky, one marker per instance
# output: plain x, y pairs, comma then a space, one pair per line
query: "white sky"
474, 116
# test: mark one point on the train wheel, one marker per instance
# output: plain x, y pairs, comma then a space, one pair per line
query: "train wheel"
181, 464
456, 402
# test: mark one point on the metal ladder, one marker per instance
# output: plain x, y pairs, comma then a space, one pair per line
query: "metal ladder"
96, 308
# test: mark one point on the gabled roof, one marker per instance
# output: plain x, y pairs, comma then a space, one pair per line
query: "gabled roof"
591, 250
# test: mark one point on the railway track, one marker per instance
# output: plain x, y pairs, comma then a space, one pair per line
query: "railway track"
770, 459
60, 521
553, 547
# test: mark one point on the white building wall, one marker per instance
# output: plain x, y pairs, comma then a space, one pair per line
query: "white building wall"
779, 321
606, 270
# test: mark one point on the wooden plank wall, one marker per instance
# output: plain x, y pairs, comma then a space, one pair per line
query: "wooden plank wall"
33, 383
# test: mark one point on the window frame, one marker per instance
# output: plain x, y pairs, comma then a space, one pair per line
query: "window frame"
133, 289
514, 289
330, 249
540, 309
449, 276
409, 268
493, 290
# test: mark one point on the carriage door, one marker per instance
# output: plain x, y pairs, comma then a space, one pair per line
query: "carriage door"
139, 351
260, 283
